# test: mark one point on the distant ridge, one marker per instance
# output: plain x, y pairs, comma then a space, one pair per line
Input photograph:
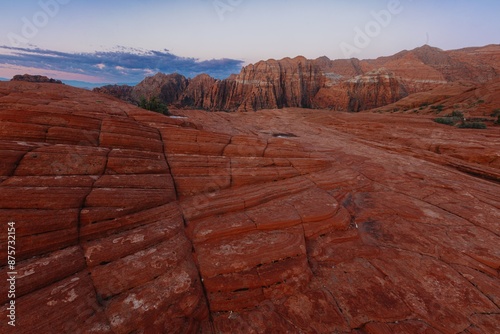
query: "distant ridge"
91, 85
341, 84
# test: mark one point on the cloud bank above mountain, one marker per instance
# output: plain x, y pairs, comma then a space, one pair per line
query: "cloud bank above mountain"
118, 65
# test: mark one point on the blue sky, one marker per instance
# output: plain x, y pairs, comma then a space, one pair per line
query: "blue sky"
125, 40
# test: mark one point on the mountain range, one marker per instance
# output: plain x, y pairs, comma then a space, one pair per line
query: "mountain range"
344, 85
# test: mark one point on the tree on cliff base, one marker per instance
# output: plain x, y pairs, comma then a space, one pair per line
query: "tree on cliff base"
154, 104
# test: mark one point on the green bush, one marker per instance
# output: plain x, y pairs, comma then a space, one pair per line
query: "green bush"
153, 104
472, 125
456, 113
445, 120
438, 108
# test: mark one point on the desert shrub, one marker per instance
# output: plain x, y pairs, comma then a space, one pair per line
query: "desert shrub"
495, 113
472, 125
478, 119
456, 113
498, 120
154, 104
445, 120
438, 108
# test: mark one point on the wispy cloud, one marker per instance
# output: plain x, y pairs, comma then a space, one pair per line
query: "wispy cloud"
120, 65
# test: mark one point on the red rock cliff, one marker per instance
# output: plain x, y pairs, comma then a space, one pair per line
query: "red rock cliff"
267, 84
277, 84
351, 85
168, 88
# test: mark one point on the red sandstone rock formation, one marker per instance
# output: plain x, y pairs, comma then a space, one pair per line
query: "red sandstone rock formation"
166, 87
122, 92
276, 84
350, 85
371, 90
35, 78
361, 85
281, 221
198, 92
267, 84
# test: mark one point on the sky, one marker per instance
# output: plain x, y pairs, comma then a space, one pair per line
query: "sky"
122, 41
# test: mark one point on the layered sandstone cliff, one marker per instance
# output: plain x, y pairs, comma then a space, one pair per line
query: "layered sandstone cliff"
370, 90
277, 84
166, 87
267, 84
350, 84
198, 93
123, 92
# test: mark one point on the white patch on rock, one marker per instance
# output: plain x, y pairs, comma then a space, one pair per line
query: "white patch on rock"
91, 250
184, 281
431, 213
134, 238
27, 273
136, 303
71, 296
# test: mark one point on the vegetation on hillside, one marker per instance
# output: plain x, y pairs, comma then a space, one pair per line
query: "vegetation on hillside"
472, 125
154, 104
457, 118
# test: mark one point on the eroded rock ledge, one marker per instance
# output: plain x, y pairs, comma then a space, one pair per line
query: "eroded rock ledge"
133, 222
